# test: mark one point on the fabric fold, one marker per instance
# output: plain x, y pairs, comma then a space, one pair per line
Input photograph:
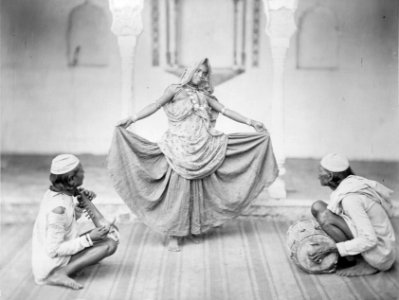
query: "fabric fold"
171, 204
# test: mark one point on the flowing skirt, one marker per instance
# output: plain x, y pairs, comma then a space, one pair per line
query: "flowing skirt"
173, 205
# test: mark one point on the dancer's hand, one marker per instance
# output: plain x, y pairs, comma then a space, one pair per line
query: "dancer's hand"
258, 126
100, 233
125, 123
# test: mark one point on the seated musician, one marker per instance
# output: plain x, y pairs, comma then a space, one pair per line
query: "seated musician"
357, 218
57, 249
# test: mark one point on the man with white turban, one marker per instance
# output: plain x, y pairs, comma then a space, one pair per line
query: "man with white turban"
58, 251
356, 217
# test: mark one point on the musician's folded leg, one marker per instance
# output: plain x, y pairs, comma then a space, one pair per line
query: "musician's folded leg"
360, 268
90, 256
59, 247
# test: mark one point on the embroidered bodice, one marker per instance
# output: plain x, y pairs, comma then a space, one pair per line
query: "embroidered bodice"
191, 144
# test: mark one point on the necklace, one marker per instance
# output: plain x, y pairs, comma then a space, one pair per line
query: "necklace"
194, 87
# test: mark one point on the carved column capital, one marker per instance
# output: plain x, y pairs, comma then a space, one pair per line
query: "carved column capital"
127, 18
277, 4
280, 15
127, 25
280, 26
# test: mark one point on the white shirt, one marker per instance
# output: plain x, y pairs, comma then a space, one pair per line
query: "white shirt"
55, 236
374, 237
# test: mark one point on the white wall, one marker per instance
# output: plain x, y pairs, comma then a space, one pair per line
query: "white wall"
354, 109
47, 107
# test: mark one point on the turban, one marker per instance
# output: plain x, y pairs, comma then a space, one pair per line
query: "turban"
334, 162
64, 163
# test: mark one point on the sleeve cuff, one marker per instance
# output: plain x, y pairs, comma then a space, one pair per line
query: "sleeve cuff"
341, 249
86, 240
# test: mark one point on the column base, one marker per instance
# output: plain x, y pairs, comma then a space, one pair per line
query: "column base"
277, 189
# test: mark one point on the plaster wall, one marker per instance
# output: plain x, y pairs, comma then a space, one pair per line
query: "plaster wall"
49, 107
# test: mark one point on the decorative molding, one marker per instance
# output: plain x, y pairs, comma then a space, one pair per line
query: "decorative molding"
173, 16
256, 15
155, 32
127, 18
239, 36
278, 4
174, 46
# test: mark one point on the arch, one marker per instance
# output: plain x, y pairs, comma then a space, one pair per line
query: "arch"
87, 36
318, 39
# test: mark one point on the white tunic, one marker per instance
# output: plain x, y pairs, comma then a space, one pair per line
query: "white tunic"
55, 236
364, 205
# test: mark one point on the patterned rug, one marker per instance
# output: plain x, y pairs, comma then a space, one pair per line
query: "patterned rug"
245, 259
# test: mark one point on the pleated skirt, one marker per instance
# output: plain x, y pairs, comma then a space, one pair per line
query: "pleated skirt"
173, 205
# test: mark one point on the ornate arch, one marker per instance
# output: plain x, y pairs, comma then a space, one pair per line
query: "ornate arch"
318, 39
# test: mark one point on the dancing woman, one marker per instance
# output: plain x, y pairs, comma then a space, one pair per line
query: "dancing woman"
195, 178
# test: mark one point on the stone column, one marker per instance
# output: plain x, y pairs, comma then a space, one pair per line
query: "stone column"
127, 25
280, 26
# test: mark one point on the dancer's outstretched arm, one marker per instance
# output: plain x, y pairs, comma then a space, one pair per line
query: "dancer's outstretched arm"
150, 108
216, 105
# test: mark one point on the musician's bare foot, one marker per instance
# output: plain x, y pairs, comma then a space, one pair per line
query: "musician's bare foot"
60, 278
173, 244
361, 268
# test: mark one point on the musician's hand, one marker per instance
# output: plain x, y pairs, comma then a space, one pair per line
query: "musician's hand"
100, 233
78, 211
320, 252
87, 194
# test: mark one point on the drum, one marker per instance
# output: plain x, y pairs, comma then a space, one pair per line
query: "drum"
303, 238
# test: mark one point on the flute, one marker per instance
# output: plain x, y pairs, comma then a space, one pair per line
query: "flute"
96, 216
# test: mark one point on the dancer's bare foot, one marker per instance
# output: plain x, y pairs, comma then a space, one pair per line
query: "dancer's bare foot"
361, 268
196, 239
60, 278
173, 244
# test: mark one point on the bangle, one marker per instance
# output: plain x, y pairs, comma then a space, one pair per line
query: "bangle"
223, 111
134, 118
249, 122
158, 105
88, 239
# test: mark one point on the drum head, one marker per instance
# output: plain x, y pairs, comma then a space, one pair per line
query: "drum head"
308, 246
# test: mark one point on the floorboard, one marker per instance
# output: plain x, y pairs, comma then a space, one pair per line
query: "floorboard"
245, 259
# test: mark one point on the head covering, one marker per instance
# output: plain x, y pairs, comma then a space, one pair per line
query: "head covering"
334, 162
63, 163
189, 72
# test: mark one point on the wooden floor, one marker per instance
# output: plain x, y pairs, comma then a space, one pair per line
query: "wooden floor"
245, 259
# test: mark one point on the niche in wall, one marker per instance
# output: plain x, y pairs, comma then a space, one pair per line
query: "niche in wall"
87, 36
318, 40
184, 31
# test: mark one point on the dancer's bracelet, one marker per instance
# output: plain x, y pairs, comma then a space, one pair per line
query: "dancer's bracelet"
134, 118
249, 122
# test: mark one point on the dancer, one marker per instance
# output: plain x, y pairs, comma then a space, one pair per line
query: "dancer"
57, 249
357, 218
195, 178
